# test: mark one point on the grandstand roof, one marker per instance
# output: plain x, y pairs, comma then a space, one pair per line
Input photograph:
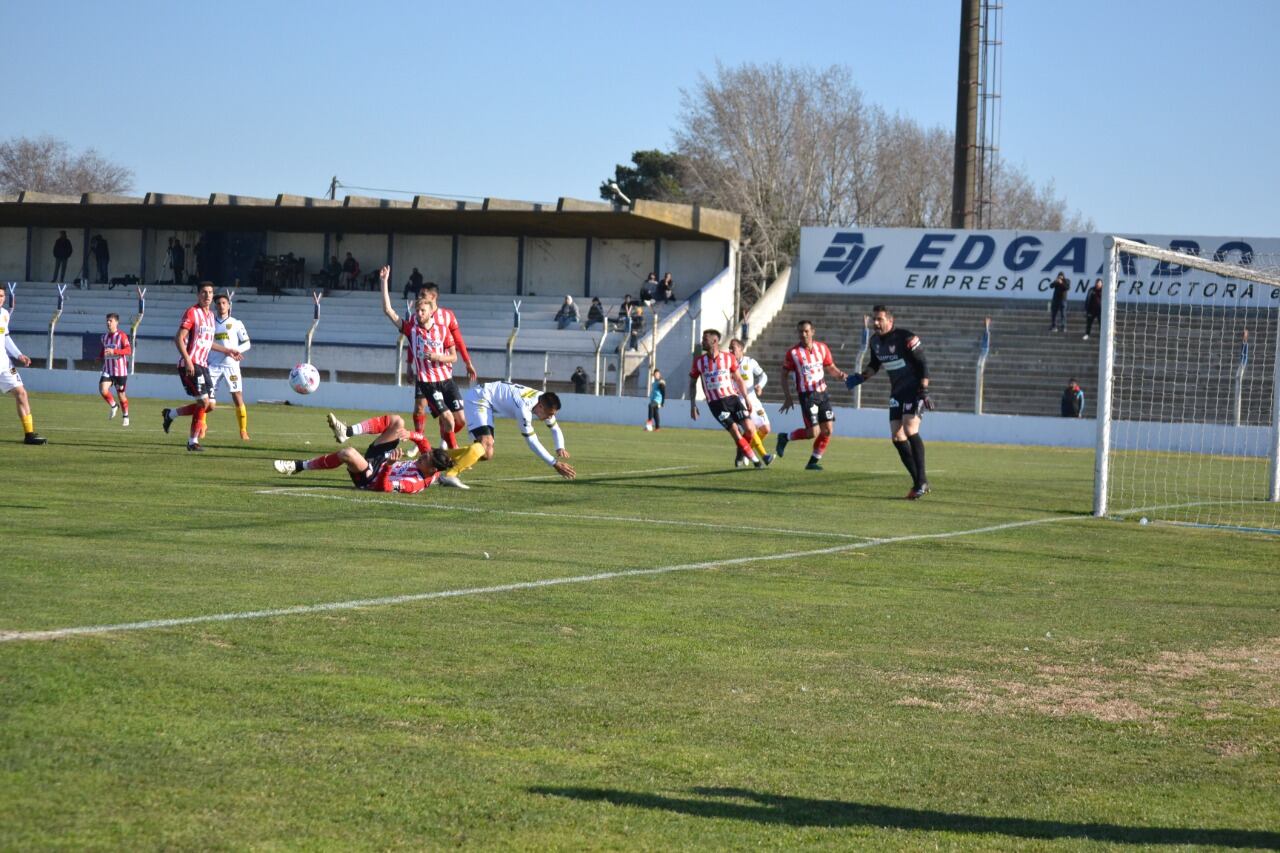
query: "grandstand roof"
568, 217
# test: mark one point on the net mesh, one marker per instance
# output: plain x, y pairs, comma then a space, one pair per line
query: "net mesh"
1193, 387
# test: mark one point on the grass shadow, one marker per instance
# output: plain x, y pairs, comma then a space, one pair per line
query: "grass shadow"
748, 805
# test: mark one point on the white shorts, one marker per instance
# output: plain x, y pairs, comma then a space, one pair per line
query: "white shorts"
476, 409
759, 417
9, 380
229, 370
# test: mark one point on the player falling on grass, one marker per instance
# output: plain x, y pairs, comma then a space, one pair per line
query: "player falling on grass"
380, 468
230, 333
726, 397
115, 368
811, 363
899, 352
194, 340
754, 378
439, 393
11, 381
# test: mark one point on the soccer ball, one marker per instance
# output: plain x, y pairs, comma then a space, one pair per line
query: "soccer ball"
304, 378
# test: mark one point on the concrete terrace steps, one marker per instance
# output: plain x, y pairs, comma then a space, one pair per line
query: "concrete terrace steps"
1028, 367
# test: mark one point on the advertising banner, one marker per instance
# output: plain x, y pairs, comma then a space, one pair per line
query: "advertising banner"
897, 262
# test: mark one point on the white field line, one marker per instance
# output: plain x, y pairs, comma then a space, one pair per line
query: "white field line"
56, 633
576, 516
592, 476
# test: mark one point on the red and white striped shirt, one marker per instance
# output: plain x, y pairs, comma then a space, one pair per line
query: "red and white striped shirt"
449, 320
717, 374
434, 338
118, 364
403, 477
809, 366
199, 325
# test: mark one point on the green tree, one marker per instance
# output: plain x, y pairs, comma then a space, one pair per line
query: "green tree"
656, 176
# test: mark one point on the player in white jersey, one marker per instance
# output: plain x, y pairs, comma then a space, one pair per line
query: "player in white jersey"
483, 403
230, 333
754, 378
11, 382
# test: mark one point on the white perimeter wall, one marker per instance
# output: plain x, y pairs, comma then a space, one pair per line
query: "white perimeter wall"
556, 267
691, 264
13, 254
619, 267
431, 254
488, 264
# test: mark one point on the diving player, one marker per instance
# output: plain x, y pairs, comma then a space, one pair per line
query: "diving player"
380, 468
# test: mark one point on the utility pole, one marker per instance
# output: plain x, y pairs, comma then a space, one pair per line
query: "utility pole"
963, 187
333, 188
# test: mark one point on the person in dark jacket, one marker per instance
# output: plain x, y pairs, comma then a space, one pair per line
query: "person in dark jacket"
1058, 305
179, 256
1093, 308
595, 314
579, 380
62, 250
101, 254
1073, 400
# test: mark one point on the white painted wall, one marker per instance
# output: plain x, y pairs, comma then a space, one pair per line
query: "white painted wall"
303, 245
691, 263
13, 254
431, 254
369, 249
556, 267
619, 267
487, 264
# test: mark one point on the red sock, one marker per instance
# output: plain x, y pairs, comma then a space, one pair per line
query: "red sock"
745, 447
820, 445
329, 460
124, 405
448, 436
189, 409
373, 426
420, 422
797, 434
424, 444
197, 425
106, 395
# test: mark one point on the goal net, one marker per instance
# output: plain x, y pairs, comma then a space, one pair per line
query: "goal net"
1188, 408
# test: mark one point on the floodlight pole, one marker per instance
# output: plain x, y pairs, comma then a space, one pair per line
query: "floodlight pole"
1106, 366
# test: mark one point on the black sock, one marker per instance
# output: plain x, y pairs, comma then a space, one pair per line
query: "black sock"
908, 461
917, 453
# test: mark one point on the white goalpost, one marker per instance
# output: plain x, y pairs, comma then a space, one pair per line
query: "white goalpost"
1188, 402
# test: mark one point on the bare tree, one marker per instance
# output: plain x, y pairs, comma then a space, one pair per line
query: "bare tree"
47, 164
788, 147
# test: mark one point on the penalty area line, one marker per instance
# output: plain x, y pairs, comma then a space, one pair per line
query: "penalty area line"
329, 607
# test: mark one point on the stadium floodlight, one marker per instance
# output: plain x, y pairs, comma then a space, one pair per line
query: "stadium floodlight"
1188, 402
618, 194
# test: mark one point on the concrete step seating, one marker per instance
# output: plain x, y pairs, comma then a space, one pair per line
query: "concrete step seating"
347, 318
1028, 367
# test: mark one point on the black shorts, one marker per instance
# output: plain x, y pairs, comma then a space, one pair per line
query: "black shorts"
481, 431
118, 381
377, 455
728, 411
815, 408
440, 396
908, 404
197, 385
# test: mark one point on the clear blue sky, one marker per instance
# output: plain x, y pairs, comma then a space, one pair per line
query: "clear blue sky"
540, 100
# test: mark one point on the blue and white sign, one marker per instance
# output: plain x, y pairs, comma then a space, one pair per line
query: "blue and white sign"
1021, 265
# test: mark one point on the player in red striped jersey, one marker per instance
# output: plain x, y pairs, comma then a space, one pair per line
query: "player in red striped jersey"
811, 363
380, 468
726, 396
194, 339
115, 367
433, 378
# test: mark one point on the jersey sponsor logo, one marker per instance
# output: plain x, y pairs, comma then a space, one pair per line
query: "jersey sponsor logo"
848, 257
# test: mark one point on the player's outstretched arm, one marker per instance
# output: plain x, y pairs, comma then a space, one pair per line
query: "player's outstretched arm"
564, 469
384, 277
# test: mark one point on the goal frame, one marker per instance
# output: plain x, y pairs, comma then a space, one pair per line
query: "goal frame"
1106, 356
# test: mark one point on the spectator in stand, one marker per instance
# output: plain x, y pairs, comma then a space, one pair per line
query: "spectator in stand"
637, 327
168, 258
62, 250
414, 286
1073, 400
595, 314
179, 262
1093, 308
1058, 304
350, 272
568, 314
649, 290
200, 251
102, 255
624, 310
667, 289
579, 380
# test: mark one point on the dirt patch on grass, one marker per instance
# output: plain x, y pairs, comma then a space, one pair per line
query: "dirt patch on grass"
1171, 684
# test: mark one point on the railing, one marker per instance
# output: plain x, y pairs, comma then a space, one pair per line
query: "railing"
980, 370
864, 346
53, 322
315, 321
511, 339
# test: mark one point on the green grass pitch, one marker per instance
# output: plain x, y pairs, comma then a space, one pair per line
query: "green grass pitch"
824, 664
